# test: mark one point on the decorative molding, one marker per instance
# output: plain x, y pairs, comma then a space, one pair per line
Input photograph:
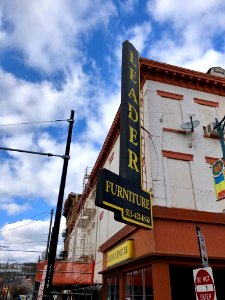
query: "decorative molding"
170, 95
177, 155
211, 160
111, 158
206, 102
214, 137
177, 76
174, 130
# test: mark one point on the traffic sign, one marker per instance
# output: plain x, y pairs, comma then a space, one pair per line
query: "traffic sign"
204, 284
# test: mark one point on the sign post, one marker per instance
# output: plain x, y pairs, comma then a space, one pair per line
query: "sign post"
55, 231
202, 247
204, 284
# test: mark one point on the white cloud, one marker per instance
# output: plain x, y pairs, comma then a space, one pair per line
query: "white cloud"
83, 154
32, 175
139, 35
211, 58
98, 124
14, 208
189, 32
26, 235
48, 32
179, 12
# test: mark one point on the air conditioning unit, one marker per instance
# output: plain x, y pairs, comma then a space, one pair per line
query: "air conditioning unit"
209, 130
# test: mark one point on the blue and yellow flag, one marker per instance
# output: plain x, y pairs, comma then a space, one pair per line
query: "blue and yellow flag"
219, 179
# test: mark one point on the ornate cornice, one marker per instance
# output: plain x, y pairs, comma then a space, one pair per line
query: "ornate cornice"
156, 71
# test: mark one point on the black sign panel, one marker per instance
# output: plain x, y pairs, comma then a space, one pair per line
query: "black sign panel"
123, 194
115, 193
130, 166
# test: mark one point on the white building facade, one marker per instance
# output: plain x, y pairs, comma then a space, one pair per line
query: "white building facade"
176, 168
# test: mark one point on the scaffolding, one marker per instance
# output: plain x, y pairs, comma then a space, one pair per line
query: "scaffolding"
87, 173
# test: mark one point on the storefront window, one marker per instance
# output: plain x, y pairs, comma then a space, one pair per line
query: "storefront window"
112, 292
138, 285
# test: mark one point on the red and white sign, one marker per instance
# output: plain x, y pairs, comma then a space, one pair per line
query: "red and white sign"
204, 284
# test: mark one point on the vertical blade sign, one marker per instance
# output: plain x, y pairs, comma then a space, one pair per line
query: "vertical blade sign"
123, 193
130, 117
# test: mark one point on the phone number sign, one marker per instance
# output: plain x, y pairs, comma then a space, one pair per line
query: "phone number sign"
131, 205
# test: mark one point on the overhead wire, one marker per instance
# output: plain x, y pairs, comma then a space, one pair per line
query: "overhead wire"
9, 229
28, 123
45, 212
14, 250
21, 242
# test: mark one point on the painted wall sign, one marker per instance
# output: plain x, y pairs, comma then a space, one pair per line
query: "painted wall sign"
120, 253
123, 193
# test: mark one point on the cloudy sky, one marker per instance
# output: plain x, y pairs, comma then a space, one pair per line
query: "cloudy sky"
56, 56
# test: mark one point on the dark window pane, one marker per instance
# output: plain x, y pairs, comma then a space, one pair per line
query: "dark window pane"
138, 285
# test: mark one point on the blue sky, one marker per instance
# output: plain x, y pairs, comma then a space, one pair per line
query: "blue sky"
61, 55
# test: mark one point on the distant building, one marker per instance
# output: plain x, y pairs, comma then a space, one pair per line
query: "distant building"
11, 268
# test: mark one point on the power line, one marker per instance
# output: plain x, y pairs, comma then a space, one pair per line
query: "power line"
32, 152
20, 243
10, 250
21, 225
45, 212
28, 123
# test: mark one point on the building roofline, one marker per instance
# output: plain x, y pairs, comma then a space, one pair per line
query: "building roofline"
166, 73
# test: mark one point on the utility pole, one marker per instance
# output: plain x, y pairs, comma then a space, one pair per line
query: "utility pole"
219, 126
49, 234
55, 231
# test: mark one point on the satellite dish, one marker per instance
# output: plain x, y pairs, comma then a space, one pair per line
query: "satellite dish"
190, 125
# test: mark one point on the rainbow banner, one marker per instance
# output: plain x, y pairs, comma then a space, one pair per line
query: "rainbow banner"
219, 179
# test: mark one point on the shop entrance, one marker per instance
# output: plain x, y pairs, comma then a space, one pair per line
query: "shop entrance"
137, 285
182, 283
